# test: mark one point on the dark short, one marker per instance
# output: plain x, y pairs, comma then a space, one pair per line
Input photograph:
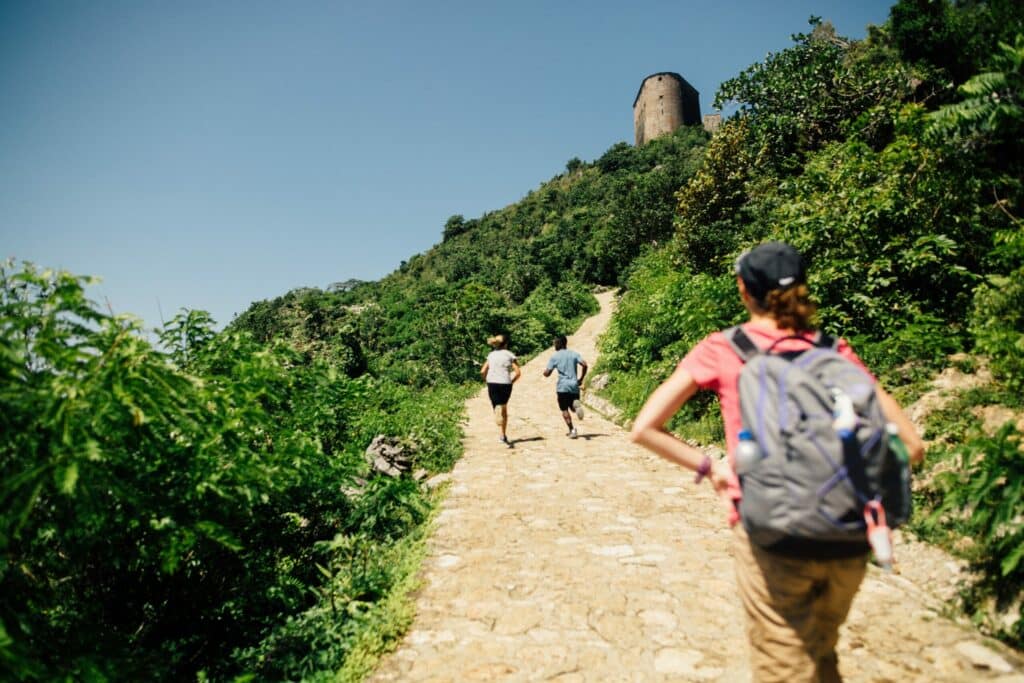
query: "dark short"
499, 393
566, 398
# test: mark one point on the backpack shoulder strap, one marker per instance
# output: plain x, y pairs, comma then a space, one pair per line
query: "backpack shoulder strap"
747, 349
741, 343
827, 341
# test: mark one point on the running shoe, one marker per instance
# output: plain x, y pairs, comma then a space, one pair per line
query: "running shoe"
572, 433
577, 407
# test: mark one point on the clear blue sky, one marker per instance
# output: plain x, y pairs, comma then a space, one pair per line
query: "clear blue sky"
211, 154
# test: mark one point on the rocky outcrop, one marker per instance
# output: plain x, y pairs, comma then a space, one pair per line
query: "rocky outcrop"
389, 456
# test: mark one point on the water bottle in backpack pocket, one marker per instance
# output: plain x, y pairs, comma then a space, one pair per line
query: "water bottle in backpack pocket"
747, 454
824, 451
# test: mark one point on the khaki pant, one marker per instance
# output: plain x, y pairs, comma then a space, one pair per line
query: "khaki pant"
794, 609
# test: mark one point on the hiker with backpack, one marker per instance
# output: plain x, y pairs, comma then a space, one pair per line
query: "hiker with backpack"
823, 454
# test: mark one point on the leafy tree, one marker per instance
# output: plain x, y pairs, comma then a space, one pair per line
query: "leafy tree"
922, 31
620, 157
454, 329
316, 324
998, 325
455, 225
708, 219
667, 309
161, 510
187, 334
346, 286
797, 100
992, 111
894, 242
949, 42
988, 128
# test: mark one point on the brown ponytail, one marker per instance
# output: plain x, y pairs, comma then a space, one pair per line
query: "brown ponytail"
792, 308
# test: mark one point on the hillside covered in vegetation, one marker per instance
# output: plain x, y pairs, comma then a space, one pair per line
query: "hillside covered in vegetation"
206, 509
895, 165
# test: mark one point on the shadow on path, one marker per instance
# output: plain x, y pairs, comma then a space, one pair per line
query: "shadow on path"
526, 439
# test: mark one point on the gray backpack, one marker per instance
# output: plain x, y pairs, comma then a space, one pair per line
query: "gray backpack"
808, 486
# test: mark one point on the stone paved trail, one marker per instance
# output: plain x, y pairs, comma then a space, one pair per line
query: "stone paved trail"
592, 560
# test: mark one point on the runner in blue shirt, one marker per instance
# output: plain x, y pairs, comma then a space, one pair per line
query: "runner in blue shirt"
568, 387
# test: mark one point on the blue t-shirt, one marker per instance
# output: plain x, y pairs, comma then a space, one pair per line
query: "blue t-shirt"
565, 360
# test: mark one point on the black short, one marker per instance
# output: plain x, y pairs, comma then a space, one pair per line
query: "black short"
499, 393
565, 399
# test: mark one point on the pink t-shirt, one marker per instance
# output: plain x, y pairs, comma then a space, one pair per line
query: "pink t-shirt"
714, 365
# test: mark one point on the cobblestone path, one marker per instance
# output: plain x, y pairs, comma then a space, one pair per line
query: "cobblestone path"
592, 560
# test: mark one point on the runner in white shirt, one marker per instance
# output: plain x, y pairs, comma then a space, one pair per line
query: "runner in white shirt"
500, 371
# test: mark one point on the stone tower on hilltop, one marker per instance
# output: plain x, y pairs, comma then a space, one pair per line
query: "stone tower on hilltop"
664, 102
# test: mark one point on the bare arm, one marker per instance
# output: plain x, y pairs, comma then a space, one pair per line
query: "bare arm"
547, 372
483, 371
908, 432
583, 371
518, 370
649, 428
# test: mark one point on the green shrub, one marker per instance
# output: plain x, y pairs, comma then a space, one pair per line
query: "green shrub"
665, 311
163, 510
984, 499
998, 326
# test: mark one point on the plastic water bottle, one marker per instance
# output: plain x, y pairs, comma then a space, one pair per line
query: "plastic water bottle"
844, 417
747, 454
896, 444
899, 449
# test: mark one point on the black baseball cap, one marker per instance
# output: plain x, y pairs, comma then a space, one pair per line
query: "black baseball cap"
768, 266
